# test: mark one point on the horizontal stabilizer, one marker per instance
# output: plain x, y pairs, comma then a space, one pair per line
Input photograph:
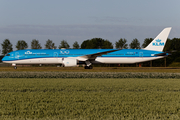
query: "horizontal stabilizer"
162, 54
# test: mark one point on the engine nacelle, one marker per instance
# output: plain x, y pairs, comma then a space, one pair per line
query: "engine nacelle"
69, 62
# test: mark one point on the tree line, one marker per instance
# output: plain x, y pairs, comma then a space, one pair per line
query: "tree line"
94, 43
172, 46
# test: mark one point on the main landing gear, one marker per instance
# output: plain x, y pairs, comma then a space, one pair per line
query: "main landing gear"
88, 67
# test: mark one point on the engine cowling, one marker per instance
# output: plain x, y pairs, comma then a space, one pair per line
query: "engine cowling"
69, 62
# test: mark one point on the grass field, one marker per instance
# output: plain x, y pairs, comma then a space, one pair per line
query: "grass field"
95, 69
89, 98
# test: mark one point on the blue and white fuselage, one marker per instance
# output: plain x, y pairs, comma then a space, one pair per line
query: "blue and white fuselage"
46, 56
72, 57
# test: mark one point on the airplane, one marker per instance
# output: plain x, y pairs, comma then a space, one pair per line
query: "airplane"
73, 57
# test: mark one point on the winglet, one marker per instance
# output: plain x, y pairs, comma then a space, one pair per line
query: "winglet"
159, 42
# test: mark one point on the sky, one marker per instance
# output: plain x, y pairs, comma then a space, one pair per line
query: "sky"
79, 20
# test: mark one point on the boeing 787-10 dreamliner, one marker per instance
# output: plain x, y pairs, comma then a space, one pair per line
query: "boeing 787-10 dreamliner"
73, 57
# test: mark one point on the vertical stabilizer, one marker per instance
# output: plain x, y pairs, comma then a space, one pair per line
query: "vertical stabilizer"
159, 42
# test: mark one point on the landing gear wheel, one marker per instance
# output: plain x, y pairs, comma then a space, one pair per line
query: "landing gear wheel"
86, 67
15, 67
90, 67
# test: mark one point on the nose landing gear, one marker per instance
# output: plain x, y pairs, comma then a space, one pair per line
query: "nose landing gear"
15, 67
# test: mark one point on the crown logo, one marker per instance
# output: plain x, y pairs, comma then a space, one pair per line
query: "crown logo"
158, 40
28, 52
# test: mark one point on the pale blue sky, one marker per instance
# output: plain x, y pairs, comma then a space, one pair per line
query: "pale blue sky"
79, 20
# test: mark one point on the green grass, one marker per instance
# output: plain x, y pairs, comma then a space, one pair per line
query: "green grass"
175, 64
89, 98
95, 69
76, 75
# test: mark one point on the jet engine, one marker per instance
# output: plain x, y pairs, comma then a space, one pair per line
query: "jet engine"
69, 62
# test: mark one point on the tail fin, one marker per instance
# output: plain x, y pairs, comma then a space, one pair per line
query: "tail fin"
159, 42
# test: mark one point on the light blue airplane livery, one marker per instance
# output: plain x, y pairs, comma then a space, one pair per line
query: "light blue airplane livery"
73, 57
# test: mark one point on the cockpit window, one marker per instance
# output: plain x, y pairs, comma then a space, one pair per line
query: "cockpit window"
8, 55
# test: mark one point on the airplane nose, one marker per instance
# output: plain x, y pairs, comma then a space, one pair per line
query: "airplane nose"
3, 59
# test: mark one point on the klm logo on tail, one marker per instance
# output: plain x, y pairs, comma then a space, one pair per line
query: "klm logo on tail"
158, 43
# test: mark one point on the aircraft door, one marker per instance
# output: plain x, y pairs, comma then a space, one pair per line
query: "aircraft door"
57, 59
55, 54
140, 54
17, 55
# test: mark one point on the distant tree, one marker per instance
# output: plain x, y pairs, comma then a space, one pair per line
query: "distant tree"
147, 41
64, 44
135, 44
107, 45
96, 43
172, 47
84, 44
35, 44
75, 45
169, 46
50, 45
21, 44
176, 44
6, 47
121, 44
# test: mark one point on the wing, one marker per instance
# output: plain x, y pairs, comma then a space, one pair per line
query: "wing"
93, 56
